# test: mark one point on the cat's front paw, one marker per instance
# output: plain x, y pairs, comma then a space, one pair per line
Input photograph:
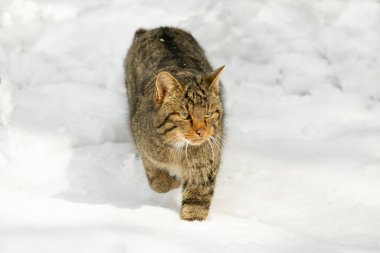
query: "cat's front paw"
160, 180
164, 184
194, 212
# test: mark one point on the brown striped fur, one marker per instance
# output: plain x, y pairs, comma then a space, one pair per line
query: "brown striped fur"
176, 115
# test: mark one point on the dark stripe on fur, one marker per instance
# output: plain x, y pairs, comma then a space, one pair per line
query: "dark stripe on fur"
169, 129
196, 202
166, 119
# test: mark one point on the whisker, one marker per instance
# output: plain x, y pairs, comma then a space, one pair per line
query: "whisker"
172, 139
216, 142
175, 151
172, 154
212, 150
187, 144
181, 150
218, 136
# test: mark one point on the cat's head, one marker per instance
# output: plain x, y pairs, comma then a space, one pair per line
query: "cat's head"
189, 107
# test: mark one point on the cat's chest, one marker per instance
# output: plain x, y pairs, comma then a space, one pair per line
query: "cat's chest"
173, 166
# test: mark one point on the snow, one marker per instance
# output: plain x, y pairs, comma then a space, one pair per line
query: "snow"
301, 164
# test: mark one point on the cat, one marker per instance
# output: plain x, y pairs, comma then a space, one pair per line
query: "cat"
176, 115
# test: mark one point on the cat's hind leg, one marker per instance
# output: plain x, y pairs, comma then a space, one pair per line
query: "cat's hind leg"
160, 180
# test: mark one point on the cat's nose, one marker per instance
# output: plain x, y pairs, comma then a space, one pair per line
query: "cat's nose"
201, 132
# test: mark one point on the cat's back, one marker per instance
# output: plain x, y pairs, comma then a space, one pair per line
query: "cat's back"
165, 47
156, 50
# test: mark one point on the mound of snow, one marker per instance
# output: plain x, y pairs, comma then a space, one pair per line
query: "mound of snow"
301, 164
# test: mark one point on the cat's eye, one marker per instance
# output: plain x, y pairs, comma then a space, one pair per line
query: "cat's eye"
183, 115
208, 114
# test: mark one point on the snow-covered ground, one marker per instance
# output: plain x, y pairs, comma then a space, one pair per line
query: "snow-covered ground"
301, 167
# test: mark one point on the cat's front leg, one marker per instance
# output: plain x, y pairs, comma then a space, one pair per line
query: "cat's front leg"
196, 199
159, 179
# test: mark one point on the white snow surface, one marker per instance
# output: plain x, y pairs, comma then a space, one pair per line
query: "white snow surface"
301, 163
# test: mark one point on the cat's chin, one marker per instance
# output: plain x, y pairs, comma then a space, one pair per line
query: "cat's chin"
197, 142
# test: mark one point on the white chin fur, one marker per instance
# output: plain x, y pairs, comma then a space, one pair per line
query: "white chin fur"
180, 144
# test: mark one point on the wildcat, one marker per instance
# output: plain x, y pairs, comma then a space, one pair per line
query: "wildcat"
176, 115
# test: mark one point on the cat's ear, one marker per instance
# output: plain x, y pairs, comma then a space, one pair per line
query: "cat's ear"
213, 79
165, 82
